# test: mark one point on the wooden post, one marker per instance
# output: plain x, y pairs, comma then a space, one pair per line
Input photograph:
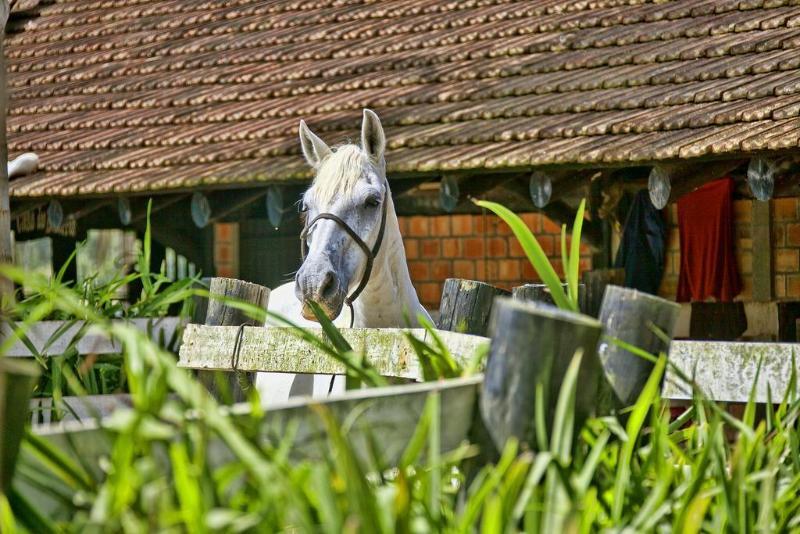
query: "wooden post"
595, 283
635, 318
6, 254
467, 305
17, 379
540, 293
200, 308
761, 232
221, 313
533, 345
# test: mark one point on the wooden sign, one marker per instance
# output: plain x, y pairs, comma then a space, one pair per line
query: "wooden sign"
39, 220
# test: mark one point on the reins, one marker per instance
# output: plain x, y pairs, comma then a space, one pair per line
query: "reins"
370, 253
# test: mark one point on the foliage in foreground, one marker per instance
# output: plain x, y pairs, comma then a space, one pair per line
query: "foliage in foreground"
70, 373
647, 474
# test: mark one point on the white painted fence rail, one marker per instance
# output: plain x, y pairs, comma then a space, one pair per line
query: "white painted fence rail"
725, 371
41, 335
281, 351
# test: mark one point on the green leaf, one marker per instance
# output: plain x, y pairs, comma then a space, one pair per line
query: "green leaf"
573, 268
533, 250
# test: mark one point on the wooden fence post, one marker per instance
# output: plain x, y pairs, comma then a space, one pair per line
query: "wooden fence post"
540, 293
533, 345
633, 317
595, 283
221, 313
467, 305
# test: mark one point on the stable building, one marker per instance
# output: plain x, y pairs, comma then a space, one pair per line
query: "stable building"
535, 104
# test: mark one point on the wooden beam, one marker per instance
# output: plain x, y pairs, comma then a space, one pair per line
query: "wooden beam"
6, 252
159, 204
686, 177
228, 203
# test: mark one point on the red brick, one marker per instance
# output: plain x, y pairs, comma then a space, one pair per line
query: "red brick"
548, 244
793, 235
533, 221
483, 225
515, 249
742, 211
793, 285
441, 270
430, 293
461, 224
464, 269
480, 271
419, 270
498, 227
529, 274
225, 271
550, 227
412, 249
787, 260
222, 253
440, 226
450, 248
418, 226
223, 231
745, 260
497, 247
778, 235
430, 248
403, 223
780, 286
509, 270
785, 209
473, 247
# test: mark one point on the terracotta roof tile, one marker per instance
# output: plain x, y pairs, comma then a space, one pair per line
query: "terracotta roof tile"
141, 95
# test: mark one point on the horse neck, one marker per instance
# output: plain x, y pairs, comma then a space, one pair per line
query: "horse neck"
389, 297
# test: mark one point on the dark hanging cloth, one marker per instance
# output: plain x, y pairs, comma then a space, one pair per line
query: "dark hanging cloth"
642, 250
708, 261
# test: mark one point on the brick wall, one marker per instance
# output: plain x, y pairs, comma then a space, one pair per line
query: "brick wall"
226, 249
479, 247
785, 249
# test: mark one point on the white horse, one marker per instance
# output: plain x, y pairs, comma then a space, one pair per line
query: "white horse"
354, 253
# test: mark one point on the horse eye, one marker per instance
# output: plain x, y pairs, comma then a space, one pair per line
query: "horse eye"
372, 202
302, 208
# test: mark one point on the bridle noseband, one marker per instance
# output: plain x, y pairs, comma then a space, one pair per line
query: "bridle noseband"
370, 253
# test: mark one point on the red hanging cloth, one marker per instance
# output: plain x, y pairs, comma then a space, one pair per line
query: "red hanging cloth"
708, 260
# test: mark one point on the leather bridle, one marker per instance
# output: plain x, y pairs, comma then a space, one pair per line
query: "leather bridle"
370, 253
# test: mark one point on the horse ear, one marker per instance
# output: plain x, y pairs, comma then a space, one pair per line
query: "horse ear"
373, 141
314, 149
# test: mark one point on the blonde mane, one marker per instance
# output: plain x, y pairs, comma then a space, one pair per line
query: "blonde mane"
339, 173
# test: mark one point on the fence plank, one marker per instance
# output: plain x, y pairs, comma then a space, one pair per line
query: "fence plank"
280, 350
92, 342
725, 370
387, 415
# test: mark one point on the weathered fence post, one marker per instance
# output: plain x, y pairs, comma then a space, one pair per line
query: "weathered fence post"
595, 283
200, 307
638, 319
221, 313
467, 305
16, 385
533, 344
540, 293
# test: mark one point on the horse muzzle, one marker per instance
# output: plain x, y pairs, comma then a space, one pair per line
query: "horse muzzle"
320, 286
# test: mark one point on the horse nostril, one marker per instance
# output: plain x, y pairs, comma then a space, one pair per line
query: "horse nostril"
328, 285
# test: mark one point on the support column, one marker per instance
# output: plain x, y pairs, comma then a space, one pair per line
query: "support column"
763, 290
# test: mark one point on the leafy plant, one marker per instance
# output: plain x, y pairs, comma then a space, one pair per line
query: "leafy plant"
541, 263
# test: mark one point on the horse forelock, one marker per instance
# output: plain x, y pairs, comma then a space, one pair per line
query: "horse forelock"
339, 173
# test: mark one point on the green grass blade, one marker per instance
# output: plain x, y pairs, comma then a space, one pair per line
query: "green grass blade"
533, 250
572, 270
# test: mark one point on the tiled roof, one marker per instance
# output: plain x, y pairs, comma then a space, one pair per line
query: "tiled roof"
137, 95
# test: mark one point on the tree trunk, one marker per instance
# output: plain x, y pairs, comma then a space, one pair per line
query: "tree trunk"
635, 318
533, 345
6, 254
467, 305
232, 387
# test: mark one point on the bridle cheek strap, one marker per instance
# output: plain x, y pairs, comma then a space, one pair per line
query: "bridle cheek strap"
369, 253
